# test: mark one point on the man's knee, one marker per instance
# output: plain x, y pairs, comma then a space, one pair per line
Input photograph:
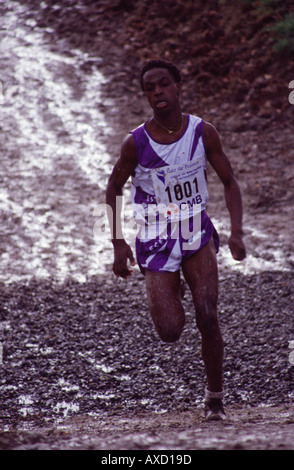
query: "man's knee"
169, 331
163, 293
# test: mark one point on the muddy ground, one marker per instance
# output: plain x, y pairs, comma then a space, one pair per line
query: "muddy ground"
81, 365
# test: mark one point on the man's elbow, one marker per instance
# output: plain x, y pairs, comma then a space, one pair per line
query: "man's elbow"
231, 182
112, 190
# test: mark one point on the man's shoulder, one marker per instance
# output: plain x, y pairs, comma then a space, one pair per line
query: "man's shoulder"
139, 127
194, 118
128, 140
209, 129
139, 136
128, 150
138, 131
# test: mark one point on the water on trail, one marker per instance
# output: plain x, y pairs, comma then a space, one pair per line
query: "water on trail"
54, 164
55, 161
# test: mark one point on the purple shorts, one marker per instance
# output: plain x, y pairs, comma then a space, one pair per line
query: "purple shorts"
167, 254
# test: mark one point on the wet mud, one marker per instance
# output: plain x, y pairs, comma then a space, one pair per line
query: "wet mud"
81, 365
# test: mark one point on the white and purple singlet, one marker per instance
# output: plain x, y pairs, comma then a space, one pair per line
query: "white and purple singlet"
169, 196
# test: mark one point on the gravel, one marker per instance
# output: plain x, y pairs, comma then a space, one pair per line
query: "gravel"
90, 348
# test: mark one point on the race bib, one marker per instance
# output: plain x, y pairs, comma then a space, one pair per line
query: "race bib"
181, 185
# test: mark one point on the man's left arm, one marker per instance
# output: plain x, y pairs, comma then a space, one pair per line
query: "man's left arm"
233, 198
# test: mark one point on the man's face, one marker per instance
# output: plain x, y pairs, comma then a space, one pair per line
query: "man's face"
161, 89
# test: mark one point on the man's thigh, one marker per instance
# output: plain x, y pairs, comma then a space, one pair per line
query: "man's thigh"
201, 274
164, 301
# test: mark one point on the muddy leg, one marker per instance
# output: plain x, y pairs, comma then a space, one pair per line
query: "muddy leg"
164, 300
201, 275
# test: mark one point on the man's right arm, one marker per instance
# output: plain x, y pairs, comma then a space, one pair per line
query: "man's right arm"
121, 172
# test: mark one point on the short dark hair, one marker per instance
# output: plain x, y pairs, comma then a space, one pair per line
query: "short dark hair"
160, 64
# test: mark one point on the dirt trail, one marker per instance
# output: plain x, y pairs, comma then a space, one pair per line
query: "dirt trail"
78, 370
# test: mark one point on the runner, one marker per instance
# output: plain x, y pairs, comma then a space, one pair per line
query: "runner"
166, 160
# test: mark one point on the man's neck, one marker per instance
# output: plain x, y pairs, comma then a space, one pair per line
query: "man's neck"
167, 131
171, 121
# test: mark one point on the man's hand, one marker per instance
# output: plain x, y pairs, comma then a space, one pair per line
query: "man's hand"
122, 253
237, 247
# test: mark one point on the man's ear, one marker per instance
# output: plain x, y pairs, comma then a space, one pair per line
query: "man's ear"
179, 86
